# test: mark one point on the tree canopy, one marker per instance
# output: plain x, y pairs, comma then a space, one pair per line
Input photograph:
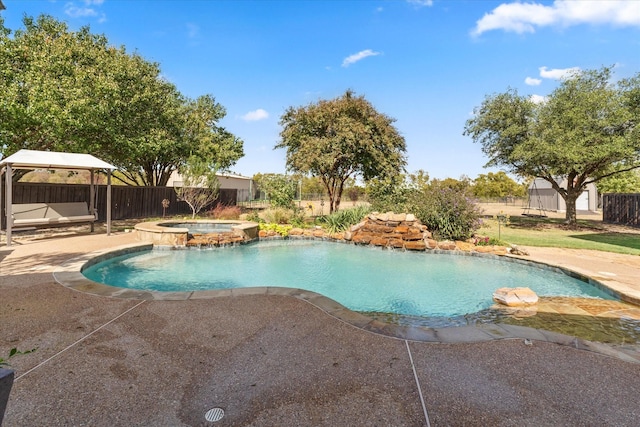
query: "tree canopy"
71, 91
279, 189
497, 185
586, 130
624, 182
339, 139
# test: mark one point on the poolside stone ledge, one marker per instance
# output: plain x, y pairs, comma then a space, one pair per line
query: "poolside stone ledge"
515, 297
162, 233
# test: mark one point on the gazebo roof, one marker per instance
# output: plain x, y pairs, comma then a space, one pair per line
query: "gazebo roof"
32, 159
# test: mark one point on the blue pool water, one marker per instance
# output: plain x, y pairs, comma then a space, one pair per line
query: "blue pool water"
360, 278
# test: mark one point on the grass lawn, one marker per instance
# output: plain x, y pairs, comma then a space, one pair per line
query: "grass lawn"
553, 232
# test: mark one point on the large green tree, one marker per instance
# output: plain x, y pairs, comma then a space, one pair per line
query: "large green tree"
279, 189
339, 139
497, 185
586, 129
65, 90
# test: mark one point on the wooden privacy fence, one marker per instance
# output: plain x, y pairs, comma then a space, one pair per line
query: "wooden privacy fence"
621, 209
126, 202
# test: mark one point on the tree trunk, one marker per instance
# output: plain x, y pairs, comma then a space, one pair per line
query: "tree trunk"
570, 201
334, 199
332, 191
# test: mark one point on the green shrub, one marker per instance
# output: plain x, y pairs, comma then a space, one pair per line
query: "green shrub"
343, 219
450, 214
281, 229
254, 216
277, 215
297, 218
388, 194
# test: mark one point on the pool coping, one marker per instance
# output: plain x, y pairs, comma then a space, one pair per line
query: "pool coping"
69, 274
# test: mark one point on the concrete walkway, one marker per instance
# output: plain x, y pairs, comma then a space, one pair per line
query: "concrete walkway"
277, 360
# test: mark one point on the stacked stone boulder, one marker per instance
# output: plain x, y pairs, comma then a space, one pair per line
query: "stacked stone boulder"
398, 231
405, 231
215, 239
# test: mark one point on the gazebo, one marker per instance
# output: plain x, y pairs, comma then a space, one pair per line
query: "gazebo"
31, 159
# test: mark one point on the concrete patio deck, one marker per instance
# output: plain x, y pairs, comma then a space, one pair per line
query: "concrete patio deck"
277, 360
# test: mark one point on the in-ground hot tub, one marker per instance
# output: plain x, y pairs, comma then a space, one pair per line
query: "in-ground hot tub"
176, 232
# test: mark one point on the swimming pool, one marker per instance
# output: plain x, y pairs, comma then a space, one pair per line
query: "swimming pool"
361, 278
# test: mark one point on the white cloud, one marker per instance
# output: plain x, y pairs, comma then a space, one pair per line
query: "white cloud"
74, 11
421, 3
352, 59
532, 82
78, 12
538, 99
558, 73
526, 17
253, 116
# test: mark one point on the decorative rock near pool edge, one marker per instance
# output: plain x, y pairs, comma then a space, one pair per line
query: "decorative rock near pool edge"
404, 231
515, 297
391, 230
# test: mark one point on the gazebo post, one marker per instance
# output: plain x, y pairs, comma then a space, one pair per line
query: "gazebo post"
92, 192
8, 179
108, 202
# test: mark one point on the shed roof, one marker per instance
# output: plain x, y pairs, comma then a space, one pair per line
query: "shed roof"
32, 159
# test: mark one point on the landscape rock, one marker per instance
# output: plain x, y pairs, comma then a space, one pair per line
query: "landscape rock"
515, 297
397, 217
296, 232
447, 245
499, 250
465, 246
415, 245
390, 230
379, 241
516, 250
396, 243
431, 244
358, 226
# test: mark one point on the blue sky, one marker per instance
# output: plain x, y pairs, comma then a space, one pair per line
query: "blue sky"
425, 63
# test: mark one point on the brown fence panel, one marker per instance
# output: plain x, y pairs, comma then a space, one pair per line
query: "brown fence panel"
126, 202
621, 209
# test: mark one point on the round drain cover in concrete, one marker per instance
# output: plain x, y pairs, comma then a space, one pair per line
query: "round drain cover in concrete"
214, 414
